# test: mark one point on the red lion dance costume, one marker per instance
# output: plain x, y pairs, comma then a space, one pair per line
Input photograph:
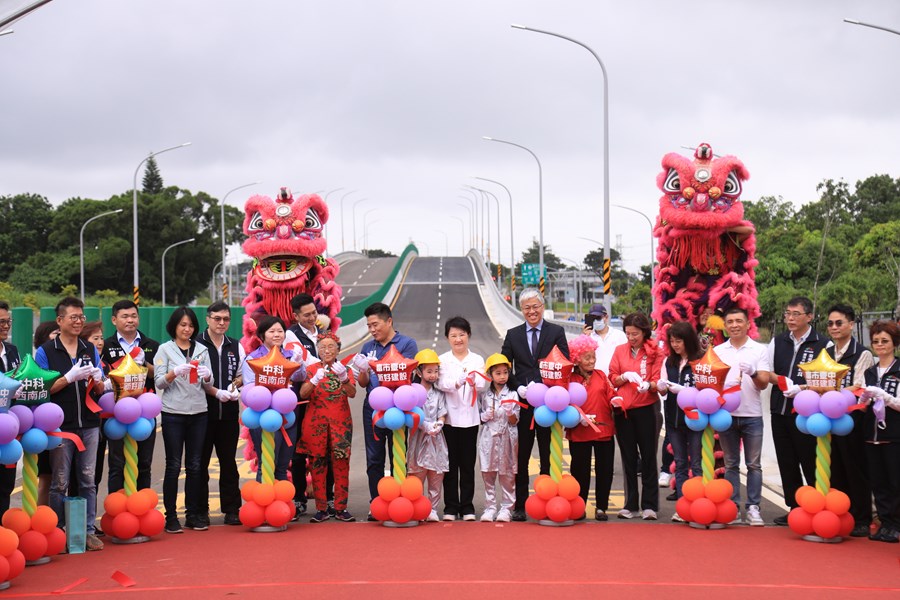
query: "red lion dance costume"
284, 238
706, 255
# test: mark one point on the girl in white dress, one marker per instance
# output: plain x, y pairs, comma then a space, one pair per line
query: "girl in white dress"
498, 441
427, 456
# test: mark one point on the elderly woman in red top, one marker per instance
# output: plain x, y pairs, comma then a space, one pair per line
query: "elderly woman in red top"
584, 439
633, 370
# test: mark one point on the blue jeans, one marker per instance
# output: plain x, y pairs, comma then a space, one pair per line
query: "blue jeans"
376, 450
184, 435
748, 430
283, 452
60, 469
686, 447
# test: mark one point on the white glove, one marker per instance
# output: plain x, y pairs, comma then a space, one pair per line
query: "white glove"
204, 373
462, 380
747, 369
632, 377
297, 357
662, 385
340, 370
235, 394
97, 374
793, 390
360, 362
107, 385
79, 372
487, 415
436, 427
584, 422
319, 376
873, 391
184, 369
616, 402
675, 388
140, 358
731, 384
223, 396
643, 387
522, 391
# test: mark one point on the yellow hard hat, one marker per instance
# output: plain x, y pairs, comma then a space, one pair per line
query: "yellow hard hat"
496, 359
427, 357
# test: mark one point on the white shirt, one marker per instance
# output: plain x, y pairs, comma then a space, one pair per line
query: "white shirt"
606, 345
460, 412
864, 361
753, 353
797, 343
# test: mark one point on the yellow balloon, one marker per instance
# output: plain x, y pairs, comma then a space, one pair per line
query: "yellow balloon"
824, 372
129, 378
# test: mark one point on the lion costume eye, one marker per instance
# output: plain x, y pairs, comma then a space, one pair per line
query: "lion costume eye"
256, 222
673, 182
312, 220
732, 185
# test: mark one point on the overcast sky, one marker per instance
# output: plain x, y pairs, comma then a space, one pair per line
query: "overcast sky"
392, 98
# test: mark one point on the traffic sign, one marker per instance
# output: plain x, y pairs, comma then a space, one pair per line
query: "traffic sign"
531, 273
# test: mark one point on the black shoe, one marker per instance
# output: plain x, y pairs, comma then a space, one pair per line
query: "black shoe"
519, 515
860, 531
371, 519
173, 526
196, 523
232, 519
299, 510
98, 532
320, 517
672, 497
331, 510
886, 533
344, 516
781, 521
601, 516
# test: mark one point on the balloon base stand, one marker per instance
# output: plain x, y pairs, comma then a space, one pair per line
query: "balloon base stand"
268, 529
138, 539
820, 540
40, 561
5, 585
710, 526
410, 523
551, 523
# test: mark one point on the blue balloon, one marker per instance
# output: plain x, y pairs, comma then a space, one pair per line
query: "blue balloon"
801, 424
11, 452
843, 425
818, 424
698, 424
380, 423
34, 441
408, 419
544, 417
569, 416
141, 429
415, 411
291, 419
250, 418
114, 429
53, 441
270, 420
394, 418
720, 420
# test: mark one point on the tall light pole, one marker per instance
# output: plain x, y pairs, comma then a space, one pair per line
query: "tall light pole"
81, 244
512, 252
607, 262
365, 226
472, 208
353, 211
462, 231
446, 241
652, 253
479, 219
344, 247
226, 289
540, 205
137, 290
497, 204
855, 22
187, 241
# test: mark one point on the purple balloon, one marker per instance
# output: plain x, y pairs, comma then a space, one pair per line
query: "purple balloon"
26, 417
9, 428
107, 402
256, 397
405, 398
48, 416
284, 400
577, 394
556, 398
833, 405
421, 394
850, 396
732, 401
381, 398
708, 401
536, 394
806, 403
687, 398
151, 405
127, 410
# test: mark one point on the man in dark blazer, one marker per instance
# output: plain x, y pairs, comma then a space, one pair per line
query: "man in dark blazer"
525, 345
9, 361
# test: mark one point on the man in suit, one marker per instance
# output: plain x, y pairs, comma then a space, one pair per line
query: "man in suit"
525, 345
9, 361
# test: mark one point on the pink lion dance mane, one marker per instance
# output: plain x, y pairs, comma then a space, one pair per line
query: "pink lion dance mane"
707, 251
284, 238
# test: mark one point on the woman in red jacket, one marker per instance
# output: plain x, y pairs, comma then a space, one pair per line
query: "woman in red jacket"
595, 433
633, 370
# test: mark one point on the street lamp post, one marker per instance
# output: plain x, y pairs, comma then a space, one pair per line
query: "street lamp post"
472, 208
540, 205
497, 204
652, 253
512, 252
365, 226
353, 211
81, 244
855, 22
187, 241
137, 290
222, 235
607, 298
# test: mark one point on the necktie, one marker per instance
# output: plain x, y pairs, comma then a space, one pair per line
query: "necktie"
534, 342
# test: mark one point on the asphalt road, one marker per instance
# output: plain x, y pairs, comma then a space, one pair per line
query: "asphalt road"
361, 278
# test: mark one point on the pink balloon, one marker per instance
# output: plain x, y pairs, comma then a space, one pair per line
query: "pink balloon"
556, 398
284, 400
257, 397
577, 394
151, 405
381, 398
48, 416
127, 410
405, 398
687, 398
806, 403
107, 402
536, 394
708, 401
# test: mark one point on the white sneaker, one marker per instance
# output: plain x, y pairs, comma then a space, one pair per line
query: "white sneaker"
503, 516
468, 517
432, 517
625, 514
753, 517
488, 515
664, 479
648, 515
449, 517
677, 518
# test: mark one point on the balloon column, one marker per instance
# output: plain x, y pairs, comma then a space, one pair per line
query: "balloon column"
270, 407
822, 410
131, 515
39, 538
12, 561
557, 404
397, 403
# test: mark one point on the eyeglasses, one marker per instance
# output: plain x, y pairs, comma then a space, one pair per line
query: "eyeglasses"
794, 314
879, 342
77, 318
532, 307
838, 323
5, 322
220, 319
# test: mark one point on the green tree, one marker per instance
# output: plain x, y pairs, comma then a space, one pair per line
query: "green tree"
620, 280
880, 250
25, 221
153, 181
532, 255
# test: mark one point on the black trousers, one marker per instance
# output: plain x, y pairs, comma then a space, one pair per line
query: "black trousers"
526, 444
7, 484
604, 454
223, 437
636, 431
884, 472
796, 455
116, 479
459, 481
849, 470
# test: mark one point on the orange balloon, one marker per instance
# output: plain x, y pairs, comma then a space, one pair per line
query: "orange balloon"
278, 513
812, 501
248, 489
726, 512
683, 508
546, 489
411, 489
800, 521
718, 490
837, 502
703, 511
388, 489
125, 526
252, 514
9, 541
540, 478
693, 489
284, 491
152, 523
536, 507
33, 545
798, 495
56, 541
379, 509
137, 504
152, 497
400, 510
44, 519
421, 508
577, 506
4, 568
16, 564
559, 509
116, 503
264, 494
569, 487
17, 520
847, 523
826, 524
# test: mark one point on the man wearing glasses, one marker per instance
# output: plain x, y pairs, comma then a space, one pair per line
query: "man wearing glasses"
795, 451
9, 361
848, 453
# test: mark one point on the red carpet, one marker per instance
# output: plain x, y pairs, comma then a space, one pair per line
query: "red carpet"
340, 560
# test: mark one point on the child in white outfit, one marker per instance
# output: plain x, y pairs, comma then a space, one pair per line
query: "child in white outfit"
498, 440
427, 456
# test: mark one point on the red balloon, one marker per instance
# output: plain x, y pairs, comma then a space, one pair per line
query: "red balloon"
577, 507
826, 524
152, 523
33, 544
126, 526
421, 508
393, 370
4, 568
559, 509
800, 521
379, 509
16, 564
683, 508
9, 541
847, 523
252, 514
56, 541
703, 511
555, 368
17, 520
106, 522
278, 513
726, 511
536, 507
400, 510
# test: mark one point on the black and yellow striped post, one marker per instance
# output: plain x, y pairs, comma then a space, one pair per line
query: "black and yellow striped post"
607, 276
224, 290
137, 295
541, 285
499, 276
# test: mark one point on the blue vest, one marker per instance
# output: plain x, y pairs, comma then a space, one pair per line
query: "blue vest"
889, 382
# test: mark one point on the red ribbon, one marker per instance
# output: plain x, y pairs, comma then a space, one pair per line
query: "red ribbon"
69, 436
193, 376
522, 404
416, 419
783, 383
376, 416
691, 413
471, 381
589, 422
